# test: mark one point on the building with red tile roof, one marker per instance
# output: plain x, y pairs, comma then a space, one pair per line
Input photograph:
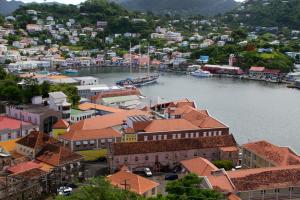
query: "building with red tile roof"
199, 166
11, 128
61, 124
31, 144
134, 183
99, 109
258, 183
265, 154
162, 153
90, 139
22, 167
57, 155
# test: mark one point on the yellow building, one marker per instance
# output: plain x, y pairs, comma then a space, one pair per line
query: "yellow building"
129, 135
59, 128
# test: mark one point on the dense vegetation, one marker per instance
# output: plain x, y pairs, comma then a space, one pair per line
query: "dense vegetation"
16, 93
182, 189
267, 13
186, 7
225, 164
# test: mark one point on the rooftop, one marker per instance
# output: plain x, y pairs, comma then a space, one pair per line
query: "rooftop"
173, 145
33, 108
22, 167
278, 156
36, 140
90, 106
61, 124
11, 124
199, 166
138, 184
163, 125
57, 155
90, 134
106, 121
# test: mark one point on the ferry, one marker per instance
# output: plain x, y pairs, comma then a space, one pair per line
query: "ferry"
201, 73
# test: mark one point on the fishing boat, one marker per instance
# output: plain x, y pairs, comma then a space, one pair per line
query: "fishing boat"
201, 73
71, 71
141, 80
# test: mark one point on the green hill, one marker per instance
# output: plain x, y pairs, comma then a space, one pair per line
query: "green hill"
183, 7
279, 13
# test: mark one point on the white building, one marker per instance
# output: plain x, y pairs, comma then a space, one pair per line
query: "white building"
58, 101
87, 80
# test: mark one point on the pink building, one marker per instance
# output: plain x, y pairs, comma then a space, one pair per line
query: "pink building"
168, 153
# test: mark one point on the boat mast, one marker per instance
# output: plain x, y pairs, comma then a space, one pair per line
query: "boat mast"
130, 61
140, 58
148, 61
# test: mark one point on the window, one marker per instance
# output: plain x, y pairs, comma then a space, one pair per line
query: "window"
215, 133
167, 156
179, 136
204, 134
159, 137
102, 141
154, 137
85, 142
126, 159
195, 153
220, 132
146, 138
165, 137
186, 135
136, 159
192, 135
109, 140
146, 158
173, 136
92, 142
197, 134
209, 133
153, 191
78, 143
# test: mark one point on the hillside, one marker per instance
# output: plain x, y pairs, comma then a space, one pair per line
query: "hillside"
7, 7
267, 13
186, 7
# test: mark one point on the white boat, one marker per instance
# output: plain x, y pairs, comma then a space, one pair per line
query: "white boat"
201, 73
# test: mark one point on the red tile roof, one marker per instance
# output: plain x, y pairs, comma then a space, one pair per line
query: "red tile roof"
163, 125
36, 140
199, 166
266, 178
91, 106
61, 124
278, 156
90, 134
106, 121
10, 123
57, 155
136, 183
22, 167
173, 145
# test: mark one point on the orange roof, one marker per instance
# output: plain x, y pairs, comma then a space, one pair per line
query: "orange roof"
106, 121
162, 125
61, 124
91, 106
199, 166
221, 182
57, 76
9, 145
265, 178
57, 155
90, 134
201, 119
233, 197
138, 184
229, 149
279, 156
22, 167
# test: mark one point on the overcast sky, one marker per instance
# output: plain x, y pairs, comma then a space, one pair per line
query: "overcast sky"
66, 1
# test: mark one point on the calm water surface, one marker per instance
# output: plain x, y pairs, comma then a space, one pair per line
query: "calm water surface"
253, 110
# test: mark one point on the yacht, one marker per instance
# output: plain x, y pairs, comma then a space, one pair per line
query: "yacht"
201, 73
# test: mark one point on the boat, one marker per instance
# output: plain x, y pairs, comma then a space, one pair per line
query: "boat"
71, 71
201, 73
139, 81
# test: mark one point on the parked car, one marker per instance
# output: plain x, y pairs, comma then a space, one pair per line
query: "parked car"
171, 177
147, 171
64, 191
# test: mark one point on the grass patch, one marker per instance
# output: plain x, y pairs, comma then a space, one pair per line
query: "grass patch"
75, 48
93, 155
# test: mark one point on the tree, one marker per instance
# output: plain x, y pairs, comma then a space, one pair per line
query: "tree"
226, 164
45, 89
100, 189
189, 188
2, 73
